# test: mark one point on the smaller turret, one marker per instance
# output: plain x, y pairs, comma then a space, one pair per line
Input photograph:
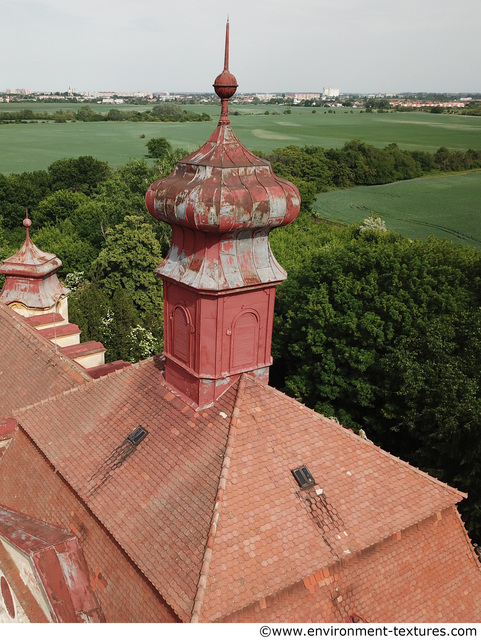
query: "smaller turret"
31, 283
33, 290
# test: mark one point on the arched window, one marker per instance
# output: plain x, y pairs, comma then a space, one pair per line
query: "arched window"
245, 341
181, 333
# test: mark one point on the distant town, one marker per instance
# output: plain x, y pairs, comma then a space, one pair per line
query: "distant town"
329, 97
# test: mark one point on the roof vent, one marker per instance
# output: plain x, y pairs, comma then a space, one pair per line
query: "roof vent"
303, 477
137, 436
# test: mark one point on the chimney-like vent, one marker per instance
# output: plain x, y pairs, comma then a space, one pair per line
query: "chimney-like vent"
137, 436
303, 477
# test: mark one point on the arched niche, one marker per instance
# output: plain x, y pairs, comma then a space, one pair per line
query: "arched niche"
181, 335
245, 341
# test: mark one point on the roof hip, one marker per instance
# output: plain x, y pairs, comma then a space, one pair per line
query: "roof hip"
209, 546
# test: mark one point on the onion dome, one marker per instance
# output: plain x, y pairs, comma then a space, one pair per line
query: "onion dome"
31, 276
222, 188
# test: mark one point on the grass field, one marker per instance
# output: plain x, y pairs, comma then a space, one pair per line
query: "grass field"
34, 146
445, 206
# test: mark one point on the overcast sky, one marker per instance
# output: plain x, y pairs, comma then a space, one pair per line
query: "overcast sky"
276, 45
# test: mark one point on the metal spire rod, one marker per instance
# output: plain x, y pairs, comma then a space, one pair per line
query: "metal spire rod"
226, 57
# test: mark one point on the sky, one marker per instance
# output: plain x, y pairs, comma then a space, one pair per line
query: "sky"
356, 46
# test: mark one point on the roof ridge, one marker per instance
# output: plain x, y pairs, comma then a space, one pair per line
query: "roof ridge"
224, 472
460, 494
80, 387
66, 392
48, 347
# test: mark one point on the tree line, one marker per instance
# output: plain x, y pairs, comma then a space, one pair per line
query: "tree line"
165, 112
315, 169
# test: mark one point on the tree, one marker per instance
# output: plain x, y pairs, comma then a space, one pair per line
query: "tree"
159, 148
58, 206
434, 420
128, 260
21, 191
87, 114
63, 240
309, 164
137, 175
117, 326
88, 309
167, 111
84, 173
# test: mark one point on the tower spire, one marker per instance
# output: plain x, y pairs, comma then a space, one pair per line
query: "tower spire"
226, 55
225, 84
26, 223
220, 274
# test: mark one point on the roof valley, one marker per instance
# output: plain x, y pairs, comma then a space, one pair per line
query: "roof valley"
224, 473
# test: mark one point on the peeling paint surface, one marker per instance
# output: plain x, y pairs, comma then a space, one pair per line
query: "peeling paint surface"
220, 201
31, 278
28, 577
51, 564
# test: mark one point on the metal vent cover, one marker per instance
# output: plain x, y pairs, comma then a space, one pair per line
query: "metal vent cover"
137, 436
303, 477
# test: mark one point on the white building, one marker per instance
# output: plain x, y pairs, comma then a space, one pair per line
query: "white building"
329, 92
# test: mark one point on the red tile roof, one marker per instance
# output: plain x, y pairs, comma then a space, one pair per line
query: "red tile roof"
156, 499
270, 534
44, 318
59, 331
206, 504
105, 369
31, 367
83, 349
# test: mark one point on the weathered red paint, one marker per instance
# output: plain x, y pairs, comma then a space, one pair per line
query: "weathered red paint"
58, 563
31, 277
222, 202
83, 349
7, 427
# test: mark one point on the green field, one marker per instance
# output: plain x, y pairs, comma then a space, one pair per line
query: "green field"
26, 147
445, 206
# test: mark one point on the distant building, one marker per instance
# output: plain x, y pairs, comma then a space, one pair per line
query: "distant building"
19, 92
300, 97
265, 97
329, 92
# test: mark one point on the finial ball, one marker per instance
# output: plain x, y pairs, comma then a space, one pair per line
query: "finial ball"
225, 85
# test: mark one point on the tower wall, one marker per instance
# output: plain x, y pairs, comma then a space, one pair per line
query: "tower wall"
210, 338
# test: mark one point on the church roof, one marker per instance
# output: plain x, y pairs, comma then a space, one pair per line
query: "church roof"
206, 504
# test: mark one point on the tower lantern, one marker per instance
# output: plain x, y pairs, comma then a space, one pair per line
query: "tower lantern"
31, 283
220, 275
